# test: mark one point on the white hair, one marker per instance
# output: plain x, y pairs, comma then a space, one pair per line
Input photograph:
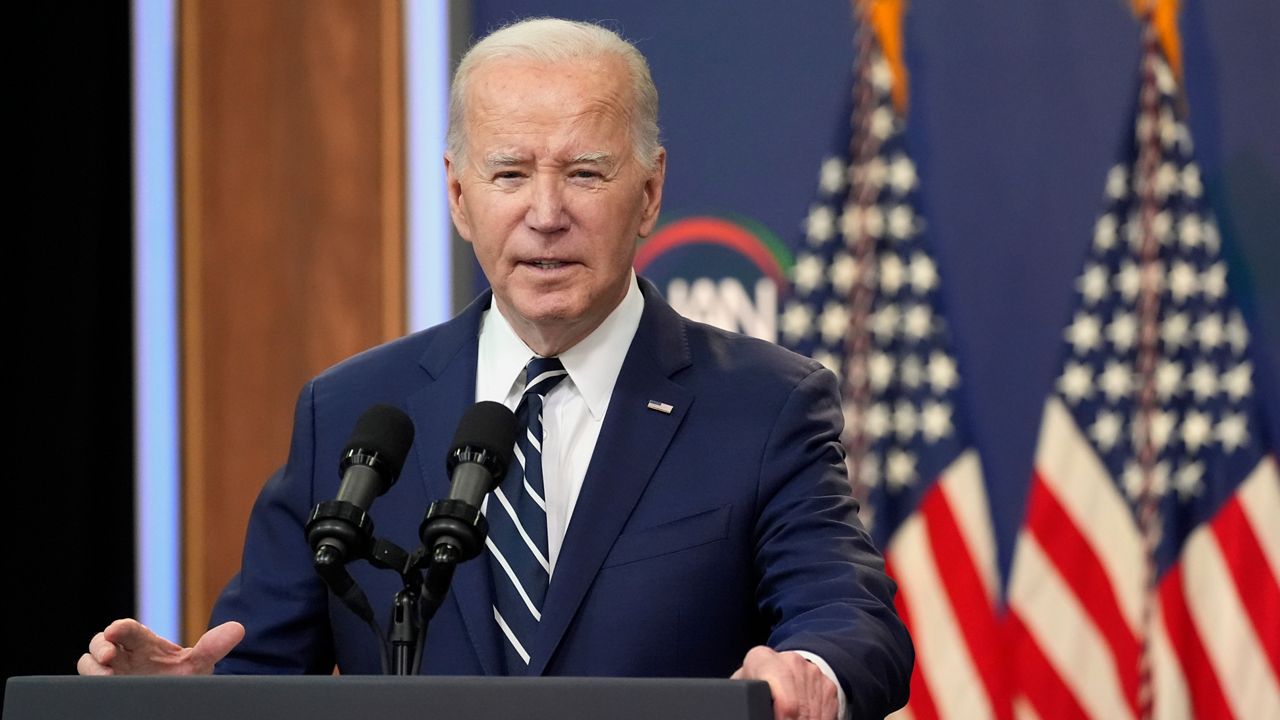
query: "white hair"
554, 40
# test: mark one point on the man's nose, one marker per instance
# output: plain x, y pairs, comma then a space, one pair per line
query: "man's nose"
546, 206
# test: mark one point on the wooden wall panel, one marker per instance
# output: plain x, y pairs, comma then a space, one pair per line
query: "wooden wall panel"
292, 238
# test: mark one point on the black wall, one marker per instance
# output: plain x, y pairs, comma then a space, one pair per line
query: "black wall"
69, 565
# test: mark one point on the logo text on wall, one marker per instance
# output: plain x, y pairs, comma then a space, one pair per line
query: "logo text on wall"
730, 273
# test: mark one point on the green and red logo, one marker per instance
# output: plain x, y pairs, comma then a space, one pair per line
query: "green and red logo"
728, 273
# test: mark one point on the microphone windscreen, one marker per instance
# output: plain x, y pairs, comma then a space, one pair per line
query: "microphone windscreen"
490, 426
386, 430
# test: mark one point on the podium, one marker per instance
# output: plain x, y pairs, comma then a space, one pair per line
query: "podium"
355, 697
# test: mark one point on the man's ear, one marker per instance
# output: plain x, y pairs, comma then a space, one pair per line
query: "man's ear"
457, 206
653, 194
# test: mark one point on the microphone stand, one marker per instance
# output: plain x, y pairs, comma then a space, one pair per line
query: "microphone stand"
403, 634
453, 530
339, 533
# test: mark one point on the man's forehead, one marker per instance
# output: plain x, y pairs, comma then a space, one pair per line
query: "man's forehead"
570, 111
586, 81
605, 65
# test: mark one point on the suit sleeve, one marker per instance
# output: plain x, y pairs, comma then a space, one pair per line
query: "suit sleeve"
822, 582
277, 595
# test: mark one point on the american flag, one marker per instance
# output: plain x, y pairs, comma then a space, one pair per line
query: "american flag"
866, 304
1144, 580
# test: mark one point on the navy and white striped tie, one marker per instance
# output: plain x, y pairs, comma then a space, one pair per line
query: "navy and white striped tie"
517, 515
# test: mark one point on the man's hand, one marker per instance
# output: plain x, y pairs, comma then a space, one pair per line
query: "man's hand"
127, 647
800, 690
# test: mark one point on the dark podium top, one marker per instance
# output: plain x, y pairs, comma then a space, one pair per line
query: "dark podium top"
356, 697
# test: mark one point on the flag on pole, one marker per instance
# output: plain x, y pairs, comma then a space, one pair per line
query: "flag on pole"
1144, 579
866, 304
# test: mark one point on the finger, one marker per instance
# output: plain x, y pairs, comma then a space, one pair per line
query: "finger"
786, 706
88, 666
102, 651
763, 663
216, 643
98, 644
127, 632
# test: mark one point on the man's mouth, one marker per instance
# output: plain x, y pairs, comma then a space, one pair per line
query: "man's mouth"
546, 264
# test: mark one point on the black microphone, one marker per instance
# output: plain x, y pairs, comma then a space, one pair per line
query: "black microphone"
477, 461
340, 530
482, 449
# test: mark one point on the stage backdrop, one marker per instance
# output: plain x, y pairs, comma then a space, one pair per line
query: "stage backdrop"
1017, 112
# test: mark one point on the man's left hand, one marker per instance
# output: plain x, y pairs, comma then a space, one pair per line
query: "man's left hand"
800, 690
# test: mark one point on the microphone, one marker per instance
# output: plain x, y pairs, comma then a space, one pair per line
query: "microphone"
340, 530
454, 530
482, 449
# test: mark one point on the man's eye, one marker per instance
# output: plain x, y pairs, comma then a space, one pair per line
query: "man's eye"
585, 175
507, 175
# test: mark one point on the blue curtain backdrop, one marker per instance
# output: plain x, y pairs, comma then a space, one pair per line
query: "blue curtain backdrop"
1017, 112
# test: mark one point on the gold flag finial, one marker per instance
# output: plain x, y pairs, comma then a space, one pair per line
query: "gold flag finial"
1163, 16
885, 19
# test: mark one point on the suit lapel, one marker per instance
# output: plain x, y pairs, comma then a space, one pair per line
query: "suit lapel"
632, 442
436, 410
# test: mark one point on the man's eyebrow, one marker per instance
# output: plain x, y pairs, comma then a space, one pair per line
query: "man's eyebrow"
510, 159
592, 158
502, 159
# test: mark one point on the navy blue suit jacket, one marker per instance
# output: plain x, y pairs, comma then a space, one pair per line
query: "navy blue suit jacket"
698, 534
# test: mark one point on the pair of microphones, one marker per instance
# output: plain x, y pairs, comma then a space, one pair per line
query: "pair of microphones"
454, 528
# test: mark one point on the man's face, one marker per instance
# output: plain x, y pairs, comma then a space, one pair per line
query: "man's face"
550, 195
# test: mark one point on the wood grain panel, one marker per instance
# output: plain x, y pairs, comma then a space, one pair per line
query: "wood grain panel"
292, 238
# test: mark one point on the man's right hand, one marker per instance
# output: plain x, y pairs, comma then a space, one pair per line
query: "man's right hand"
127, 647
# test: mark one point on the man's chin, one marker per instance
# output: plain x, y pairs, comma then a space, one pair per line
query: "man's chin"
546, 310
551, 329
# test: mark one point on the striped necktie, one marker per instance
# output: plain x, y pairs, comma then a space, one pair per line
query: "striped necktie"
517, 517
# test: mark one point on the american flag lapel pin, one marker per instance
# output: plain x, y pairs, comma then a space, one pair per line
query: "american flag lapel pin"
664, 408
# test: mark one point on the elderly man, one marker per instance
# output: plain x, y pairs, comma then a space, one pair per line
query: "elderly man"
697, 515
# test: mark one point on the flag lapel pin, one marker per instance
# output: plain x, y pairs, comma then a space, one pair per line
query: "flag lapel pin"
664, 408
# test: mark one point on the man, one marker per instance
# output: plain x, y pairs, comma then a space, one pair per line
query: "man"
712, 530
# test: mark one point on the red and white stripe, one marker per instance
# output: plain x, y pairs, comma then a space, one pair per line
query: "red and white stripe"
943, 558
1220, 610
1076, 592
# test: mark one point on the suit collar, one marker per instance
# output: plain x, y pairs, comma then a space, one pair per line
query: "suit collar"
455, 336
662, 333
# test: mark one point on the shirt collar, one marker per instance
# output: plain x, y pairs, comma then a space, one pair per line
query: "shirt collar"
593, 364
